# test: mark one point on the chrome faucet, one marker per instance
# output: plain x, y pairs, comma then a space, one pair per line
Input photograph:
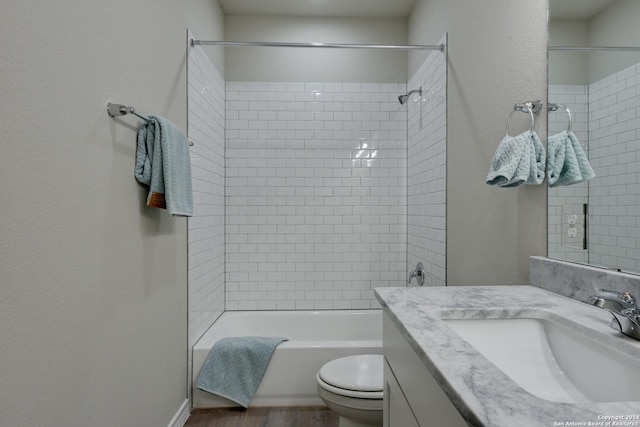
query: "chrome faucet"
623, 308
612, 300
418, 273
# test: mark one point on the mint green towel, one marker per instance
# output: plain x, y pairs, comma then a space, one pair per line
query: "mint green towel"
235, 366
164, 164
518, 160
568, 164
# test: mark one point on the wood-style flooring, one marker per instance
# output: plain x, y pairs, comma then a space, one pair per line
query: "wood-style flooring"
298, 416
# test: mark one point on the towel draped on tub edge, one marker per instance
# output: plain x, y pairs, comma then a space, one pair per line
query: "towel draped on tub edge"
235, 366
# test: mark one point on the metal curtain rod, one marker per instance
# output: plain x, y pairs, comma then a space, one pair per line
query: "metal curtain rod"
439, 47
597, 48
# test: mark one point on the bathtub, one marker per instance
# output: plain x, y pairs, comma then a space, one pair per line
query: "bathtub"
315, 337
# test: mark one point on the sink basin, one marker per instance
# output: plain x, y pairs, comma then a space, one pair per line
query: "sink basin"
552, 361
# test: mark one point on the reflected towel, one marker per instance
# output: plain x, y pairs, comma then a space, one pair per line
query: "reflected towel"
163, 163
568, 164
518, 160
235, 366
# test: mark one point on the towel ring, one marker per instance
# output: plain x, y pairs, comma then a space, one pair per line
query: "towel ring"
524, 110
554, 107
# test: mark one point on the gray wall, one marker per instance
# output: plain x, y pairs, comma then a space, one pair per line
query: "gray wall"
491, 232
615, 26
206, 22
315, 65
93, 305
566, 67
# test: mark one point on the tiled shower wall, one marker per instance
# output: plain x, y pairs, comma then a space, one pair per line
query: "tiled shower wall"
316, 194
316, 191
564, 200
206, 228
427, 156
614, 195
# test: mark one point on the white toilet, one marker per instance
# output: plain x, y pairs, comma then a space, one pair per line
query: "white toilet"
352, 387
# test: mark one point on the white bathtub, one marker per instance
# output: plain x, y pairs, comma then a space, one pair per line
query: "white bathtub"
315, 337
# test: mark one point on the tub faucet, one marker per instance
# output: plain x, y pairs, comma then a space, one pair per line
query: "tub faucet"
623, 308
418, 273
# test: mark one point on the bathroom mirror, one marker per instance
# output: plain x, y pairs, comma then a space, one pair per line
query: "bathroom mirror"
597, 221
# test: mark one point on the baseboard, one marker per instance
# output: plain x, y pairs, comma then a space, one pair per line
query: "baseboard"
180, 418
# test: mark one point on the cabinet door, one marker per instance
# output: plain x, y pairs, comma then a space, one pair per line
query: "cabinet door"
429, 404
397, 412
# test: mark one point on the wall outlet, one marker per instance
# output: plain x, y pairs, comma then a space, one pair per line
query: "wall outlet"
574, 220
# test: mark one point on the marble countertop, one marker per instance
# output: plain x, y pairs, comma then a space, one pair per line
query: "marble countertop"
482, 393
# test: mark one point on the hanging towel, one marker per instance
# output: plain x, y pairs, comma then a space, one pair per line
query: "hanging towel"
163, 163
235, 366
518, 160
510, 166
556, 153
568, 164
538, 161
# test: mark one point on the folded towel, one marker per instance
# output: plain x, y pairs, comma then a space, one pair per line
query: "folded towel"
519, 160
235, 366
568, 164
163, 163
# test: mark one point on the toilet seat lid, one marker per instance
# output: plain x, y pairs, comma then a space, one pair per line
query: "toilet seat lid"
359, 373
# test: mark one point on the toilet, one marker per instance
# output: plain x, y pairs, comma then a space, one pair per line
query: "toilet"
352, 387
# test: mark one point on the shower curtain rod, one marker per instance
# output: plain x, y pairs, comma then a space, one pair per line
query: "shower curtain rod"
439, 47
597, 48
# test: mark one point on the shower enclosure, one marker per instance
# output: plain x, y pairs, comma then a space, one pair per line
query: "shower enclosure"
310, 192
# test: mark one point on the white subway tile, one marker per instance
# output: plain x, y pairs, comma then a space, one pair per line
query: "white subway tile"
312, 175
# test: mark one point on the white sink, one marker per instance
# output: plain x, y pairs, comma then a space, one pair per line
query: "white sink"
552, 361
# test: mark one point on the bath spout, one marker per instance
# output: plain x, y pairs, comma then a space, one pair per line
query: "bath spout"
418, 273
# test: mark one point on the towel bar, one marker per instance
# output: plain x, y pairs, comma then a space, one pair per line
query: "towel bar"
115, 110
555, 107
534, 106
529, 107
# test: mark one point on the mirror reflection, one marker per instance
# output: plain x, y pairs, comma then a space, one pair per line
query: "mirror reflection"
597, 221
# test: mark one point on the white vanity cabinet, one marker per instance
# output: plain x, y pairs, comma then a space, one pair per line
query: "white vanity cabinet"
397, 411
412, 397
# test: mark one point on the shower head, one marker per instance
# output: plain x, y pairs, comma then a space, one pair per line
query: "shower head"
404, 98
